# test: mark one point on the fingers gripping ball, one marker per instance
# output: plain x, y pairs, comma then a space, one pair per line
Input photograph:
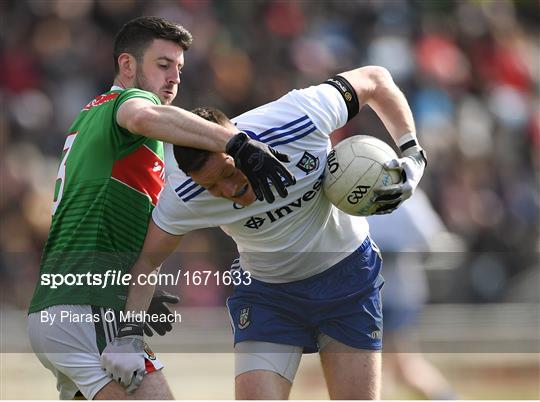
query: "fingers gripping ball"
354, 168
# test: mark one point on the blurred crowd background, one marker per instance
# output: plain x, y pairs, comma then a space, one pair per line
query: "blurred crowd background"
470, 70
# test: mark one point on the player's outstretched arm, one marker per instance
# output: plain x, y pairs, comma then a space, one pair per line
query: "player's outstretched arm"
123, 358
261, 164
172, 124
158, 245
374, 86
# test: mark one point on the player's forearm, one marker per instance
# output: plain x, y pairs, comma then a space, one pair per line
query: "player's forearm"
374, 86
158, 245
140, 292
180, 127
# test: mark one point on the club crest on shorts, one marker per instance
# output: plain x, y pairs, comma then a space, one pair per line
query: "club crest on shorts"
245, 317
308, 163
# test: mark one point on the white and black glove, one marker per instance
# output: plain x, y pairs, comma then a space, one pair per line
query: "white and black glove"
411, 168
123, 358
262, 165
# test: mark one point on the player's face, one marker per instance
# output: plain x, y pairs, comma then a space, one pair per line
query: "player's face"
222, 179
159, 71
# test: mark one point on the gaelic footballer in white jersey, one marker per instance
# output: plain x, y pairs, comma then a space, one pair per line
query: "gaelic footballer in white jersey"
295, 237
315, 273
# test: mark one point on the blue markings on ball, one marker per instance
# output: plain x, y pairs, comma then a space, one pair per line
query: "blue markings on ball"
387, 179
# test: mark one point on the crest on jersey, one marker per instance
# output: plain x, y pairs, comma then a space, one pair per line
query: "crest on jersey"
308, 163
245, 317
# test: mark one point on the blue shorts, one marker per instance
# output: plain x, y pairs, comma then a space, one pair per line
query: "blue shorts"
396, 318
342, 302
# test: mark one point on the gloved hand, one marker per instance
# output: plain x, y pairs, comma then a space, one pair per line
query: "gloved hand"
411, 167
158, 306
261, 164
123, 358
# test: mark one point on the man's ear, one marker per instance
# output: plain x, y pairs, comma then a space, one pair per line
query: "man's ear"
127, 66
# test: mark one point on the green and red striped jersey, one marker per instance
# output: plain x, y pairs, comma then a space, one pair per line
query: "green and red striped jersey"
108, 182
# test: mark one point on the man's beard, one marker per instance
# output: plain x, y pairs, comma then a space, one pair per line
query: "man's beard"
141, 81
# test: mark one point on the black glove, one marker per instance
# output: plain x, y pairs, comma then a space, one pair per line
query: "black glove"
261, 164
158, 306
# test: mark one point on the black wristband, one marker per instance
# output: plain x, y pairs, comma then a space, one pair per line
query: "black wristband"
408, 144
347, 92
130, 329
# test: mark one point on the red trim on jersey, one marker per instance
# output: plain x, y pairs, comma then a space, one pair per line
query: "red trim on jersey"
141, 170
101, 99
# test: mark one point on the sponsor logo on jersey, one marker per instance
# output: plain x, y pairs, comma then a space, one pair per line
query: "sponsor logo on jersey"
141, 170
100, 100
308, 163
245, 317
255, 222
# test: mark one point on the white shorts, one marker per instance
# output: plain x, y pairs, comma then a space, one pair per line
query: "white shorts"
70, 347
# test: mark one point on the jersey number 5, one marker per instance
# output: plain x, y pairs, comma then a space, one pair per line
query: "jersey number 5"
61, 176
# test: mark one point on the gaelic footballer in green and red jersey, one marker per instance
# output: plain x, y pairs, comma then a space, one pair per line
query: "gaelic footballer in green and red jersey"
109, 180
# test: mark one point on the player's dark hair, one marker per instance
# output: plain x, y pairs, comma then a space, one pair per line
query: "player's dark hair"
138, 34
192, 159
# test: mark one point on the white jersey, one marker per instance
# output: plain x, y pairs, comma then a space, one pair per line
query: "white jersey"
294, 237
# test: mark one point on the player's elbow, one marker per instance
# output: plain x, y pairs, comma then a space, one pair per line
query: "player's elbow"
381, 83
369, 81
379, 77
378, 74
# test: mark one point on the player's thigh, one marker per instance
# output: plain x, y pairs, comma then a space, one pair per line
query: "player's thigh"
261, 384
351, 373
153, 386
